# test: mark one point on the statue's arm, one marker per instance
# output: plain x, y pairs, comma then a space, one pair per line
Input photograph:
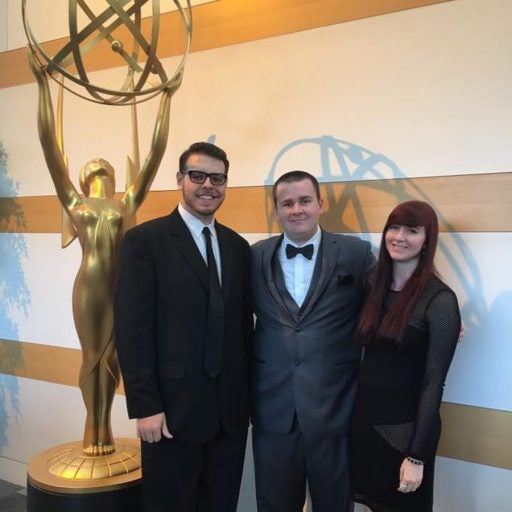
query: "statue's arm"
136, 194
66, 191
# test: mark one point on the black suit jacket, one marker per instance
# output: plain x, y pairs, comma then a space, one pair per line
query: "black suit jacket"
161, 309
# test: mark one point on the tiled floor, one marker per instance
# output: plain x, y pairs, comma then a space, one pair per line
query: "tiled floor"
13, 498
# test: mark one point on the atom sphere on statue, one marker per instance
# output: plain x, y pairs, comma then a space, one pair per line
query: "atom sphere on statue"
119, 29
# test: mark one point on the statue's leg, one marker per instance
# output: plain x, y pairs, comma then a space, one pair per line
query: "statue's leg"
108, 381
88, 382
93, 315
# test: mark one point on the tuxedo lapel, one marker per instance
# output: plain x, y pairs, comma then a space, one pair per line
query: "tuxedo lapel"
182, 240
267, 271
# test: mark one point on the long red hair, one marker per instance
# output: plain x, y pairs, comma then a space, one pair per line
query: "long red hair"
390, 327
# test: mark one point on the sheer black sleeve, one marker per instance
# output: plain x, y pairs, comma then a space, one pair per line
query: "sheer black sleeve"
443, 322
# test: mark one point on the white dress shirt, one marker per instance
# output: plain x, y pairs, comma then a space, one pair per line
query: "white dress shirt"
196, 227
298, 271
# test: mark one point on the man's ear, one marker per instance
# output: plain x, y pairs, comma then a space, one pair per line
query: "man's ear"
322, 204
179, 179
274, 212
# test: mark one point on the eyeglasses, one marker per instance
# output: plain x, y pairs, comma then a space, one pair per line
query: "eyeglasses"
216, 178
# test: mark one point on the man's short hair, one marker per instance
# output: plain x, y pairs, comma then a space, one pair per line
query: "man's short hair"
204, 148
293, 176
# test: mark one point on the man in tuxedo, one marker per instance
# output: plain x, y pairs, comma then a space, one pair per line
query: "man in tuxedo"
183, 325
308, 288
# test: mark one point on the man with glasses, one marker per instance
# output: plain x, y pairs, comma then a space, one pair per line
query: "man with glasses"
184, 327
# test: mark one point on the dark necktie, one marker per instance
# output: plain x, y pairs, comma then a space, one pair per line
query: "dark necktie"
306, 251
215, 325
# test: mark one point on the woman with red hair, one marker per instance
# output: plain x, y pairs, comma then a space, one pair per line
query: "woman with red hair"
409, 329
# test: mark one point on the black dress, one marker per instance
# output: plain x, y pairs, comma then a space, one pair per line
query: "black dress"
397, 406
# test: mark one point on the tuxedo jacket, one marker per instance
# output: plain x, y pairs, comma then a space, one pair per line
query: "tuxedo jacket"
161, 307
305, 359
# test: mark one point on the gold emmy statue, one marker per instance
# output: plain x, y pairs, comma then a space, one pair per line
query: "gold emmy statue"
99, 219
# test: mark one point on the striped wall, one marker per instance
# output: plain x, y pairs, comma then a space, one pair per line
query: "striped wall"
412, 103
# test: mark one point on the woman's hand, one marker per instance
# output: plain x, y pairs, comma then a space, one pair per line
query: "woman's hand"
411, 476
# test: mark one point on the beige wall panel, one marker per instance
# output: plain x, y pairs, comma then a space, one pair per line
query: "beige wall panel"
473, 434
476, 434
40, 362
47, 363
3, 26
259, 97
249, 209
414, 87
228, 22
46, 28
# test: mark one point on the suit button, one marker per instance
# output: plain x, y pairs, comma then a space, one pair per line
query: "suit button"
297, 329
296, 362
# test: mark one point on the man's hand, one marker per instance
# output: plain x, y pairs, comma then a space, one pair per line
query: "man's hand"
411, 476
150, 429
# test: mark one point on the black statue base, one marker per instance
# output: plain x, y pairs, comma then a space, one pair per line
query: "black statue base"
62, 479
128, 499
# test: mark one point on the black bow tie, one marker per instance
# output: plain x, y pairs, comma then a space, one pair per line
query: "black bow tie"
306, 251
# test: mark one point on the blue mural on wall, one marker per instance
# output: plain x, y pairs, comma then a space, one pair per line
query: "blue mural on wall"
14, 294
359, 168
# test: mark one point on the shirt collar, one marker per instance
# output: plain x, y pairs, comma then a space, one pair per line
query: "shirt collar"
194, 224
315, 240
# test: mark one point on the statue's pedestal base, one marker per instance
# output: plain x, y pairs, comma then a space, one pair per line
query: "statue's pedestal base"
128, 499
61, 479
